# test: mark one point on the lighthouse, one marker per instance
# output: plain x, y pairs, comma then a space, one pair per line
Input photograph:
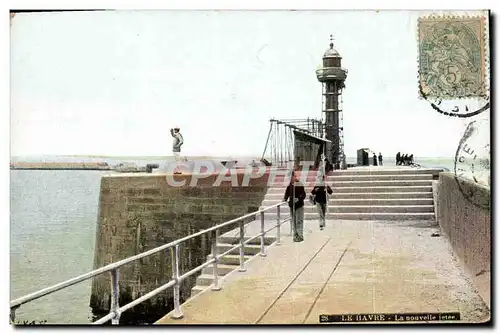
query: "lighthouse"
332, 77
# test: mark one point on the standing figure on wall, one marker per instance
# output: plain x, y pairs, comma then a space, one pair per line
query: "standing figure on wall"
374, 159
177, 143
176, 146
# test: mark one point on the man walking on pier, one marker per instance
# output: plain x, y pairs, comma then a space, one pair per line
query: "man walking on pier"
321, 199
295, 195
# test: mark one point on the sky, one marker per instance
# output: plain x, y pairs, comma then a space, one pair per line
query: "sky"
114, 83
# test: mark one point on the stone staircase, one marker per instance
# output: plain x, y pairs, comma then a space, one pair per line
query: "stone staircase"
358, 194
369, 194
231, 261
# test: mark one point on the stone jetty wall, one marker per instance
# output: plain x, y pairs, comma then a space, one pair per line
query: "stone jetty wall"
464, 216
138, 212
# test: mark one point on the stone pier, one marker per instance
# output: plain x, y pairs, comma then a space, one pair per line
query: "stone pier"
138, 212
370, 264
397, 241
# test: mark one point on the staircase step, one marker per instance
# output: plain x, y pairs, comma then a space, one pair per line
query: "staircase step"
368, 171
358, 201
222, 269
285, 210
386, 171
206, 280
270, 214
372, 215
382, 177
197, 289
286, 180
226, 265
369, 195
377, 216
359, 177
381, 208
381, 195
233, 260
376, 183
365, 215
233, 240
378, 201
377, 189
248, 249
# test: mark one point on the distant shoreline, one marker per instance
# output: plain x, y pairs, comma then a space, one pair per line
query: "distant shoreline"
132, 157
114, 163
55, 168
60, 166
120, 165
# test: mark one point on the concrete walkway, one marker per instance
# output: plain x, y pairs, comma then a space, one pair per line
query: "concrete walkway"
350, 267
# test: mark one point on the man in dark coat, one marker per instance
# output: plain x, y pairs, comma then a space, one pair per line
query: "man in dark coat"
328, 166
398, 159
380, 159
295, 195
321, 199
374, 159
405, 159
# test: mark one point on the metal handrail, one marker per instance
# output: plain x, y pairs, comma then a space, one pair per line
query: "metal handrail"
116, 310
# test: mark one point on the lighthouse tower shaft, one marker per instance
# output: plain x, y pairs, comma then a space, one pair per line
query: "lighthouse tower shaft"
333, 76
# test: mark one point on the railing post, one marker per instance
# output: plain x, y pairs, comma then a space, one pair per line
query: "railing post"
278, 226
177, 313
242, 246
215, 285
115, 295
262, 246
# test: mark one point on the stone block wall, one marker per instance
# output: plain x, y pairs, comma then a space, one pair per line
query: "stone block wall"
141, 212
467, 227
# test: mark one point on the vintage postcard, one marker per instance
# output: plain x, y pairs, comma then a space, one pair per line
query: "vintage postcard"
250, 167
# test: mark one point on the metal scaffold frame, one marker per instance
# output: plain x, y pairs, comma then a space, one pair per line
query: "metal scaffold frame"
280, 144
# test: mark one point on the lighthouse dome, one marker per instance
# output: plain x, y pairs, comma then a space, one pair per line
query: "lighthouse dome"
331, 52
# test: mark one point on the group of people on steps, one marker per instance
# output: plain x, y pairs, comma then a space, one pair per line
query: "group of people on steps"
295, 195
404, 159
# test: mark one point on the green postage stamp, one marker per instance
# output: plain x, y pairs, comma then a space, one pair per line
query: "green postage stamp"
452, 57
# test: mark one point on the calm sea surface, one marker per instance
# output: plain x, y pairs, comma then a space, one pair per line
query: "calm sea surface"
52, 235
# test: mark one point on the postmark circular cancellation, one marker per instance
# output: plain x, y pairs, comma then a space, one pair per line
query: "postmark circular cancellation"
453, 64
472, 161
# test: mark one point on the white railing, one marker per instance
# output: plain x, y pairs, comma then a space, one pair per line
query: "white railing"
113, 268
